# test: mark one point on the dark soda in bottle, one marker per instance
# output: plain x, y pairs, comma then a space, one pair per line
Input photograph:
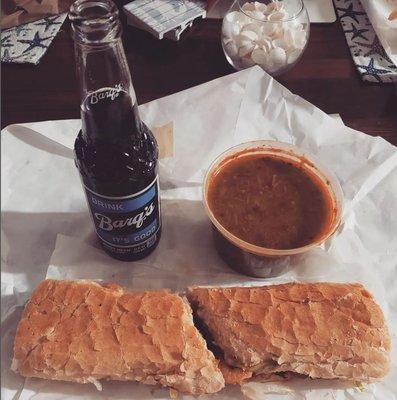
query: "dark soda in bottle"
115, 152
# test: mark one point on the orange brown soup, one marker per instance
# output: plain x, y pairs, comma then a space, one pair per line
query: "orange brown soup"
269, 201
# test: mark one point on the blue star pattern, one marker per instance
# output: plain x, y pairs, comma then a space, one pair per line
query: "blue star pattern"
375, 48
371, 59
48, 22
22, 29
349, 12
28, 43
7, 57
35, 42
5, 41
371, 70
356, 32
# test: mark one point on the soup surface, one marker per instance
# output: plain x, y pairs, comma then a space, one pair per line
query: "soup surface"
269, 202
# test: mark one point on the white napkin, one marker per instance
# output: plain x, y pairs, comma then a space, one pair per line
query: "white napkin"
29, 42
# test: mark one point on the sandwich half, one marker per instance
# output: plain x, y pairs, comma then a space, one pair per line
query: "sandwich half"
318, 330
84, 332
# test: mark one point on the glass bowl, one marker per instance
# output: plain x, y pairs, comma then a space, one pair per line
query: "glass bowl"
257, 261
271, 34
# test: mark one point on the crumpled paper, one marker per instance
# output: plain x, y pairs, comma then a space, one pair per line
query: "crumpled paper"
378, 12
44, 209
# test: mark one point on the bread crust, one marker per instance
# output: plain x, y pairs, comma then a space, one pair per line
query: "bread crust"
84, 332
234, 376
320, 330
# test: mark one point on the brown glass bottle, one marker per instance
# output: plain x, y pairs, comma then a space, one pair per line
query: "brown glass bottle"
115, 152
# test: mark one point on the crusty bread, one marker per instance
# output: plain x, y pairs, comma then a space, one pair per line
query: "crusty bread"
320, 330
234, 376
84, 332
393, 15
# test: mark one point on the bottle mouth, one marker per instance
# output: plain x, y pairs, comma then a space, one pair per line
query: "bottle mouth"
95, 22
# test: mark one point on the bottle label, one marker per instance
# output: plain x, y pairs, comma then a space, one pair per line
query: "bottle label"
126, 224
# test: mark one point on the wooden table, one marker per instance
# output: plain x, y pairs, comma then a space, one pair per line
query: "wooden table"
325, 76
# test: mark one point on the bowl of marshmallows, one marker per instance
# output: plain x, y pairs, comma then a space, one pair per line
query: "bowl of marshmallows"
271, 34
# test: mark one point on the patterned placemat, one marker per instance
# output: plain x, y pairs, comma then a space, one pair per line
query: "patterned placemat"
28, 43
161, 16
370, 58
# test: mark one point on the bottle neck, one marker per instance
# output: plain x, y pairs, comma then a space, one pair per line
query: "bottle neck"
108, 103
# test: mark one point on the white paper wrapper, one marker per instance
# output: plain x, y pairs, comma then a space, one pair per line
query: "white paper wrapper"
378, 12
44, 208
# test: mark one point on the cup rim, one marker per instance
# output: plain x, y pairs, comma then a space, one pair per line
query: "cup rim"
290, 18
282, 150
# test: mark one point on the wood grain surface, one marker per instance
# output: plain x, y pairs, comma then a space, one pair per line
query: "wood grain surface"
325, 76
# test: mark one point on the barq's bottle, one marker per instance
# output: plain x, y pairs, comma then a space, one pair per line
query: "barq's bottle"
115, 152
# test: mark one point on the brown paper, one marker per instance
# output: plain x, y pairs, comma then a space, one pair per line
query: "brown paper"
165, 139
18, 12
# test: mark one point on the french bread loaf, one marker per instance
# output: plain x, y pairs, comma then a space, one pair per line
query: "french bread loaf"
320, 330
85, 332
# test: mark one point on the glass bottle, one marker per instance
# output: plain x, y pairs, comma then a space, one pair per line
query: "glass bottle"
115, 152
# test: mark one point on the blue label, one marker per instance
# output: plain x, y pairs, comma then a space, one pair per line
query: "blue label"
133, 238
128, 221
99, 204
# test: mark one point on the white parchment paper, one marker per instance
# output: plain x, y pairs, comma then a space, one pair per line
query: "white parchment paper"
43, 208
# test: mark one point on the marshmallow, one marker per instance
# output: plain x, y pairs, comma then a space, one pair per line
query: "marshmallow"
273, 7
238, 17
257, 15
293, 56
299, 39
261, 7
232, 17
230, 29
254, 27
270, 29
247, 62
278, 56
249, 35
277, 16
264, 44
249, 6
231, 49
259, 56
283, 43
245, 48
262, 34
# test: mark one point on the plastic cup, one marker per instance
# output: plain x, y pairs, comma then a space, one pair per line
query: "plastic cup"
257, 261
